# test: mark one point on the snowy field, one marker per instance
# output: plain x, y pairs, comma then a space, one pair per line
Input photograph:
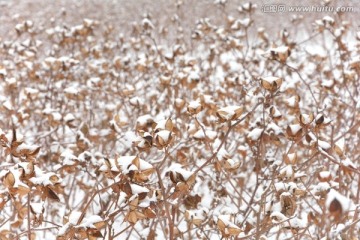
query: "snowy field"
179, 119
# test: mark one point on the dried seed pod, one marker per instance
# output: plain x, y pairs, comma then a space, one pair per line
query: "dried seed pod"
271, 84
191, 202
321, 121
313, 218
348, 167
291, 158
162, 138
324, 145
196, 217
355, 64
293, 102
275, 113
288, 204
229, 113
280, 53
120, 121
306, 119
179, 103
337, 205
51, 194
327, 20
340, 147
335, 208
149, 213
255, 134
230, 164
131, 217
294, 131
324, 176
209, 135
194, 107
226, 227
166, 124
287, 172
9, 180
139, 190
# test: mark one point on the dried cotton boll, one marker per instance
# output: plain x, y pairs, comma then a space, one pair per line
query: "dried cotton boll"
288, 204
247, 7
348, 167
271, 83
231, 164
340, 147
293, 102
328, 21
324, 176
194, 107
227, 227
163, 138
275, 113
179, 104
229, 113
294, 131
291, 159
280, 53
306, 119
337, 205
165, 79
209, 135
255, 134
197, 217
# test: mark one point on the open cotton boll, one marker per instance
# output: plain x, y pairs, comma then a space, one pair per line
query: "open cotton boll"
255, 134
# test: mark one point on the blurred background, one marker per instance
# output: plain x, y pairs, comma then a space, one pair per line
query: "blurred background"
120, 13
